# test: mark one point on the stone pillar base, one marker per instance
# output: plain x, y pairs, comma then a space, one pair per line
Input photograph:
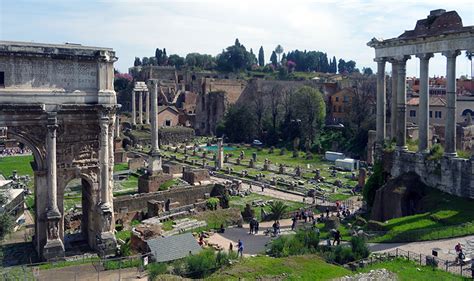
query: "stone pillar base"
53, 250
120, 156
151, 183
107, 244
154, 164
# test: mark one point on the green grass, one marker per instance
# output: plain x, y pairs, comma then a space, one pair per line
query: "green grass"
410, 271
445, 213
120, 167
19, 163
123, 234
167, 184
240, 202
307, 267
167, 225
214, 219
61, 264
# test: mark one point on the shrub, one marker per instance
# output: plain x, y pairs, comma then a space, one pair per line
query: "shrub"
278, 247
277, 209
212, 203
224, 258
304, 241
202, 264
282, 151
341, 255
374, 182
359, 248
155, 269
436, 152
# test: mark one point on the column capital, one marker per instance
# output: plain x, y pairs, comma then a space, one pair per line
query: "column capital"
380, 60
451, 54
424, 56
400, 59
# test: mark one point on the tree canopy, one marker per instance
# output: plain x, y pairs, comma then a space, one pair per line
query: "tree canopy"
261, 57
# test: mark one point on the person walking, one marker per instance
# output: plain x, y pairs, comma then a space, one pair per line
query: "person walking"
293, 224
240, 246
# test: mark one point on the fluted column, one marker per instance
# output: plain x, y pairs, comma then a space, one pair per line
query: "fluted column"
450, 127
424, 105
134, 108
401, 104
393, 105
53, 211
104, 161
381, 101
140, 107
147, 107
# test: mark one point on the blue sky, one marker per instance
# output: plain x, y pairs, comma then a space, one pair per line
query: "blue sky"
137, 27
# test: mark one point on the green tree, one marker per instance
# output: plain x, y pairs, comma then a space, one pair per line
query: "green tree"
261, 57
6, 221
145, 61
279, 50
253, 58
367, 71
239, 124
176, 60
277, 209
308, 106
235, 58
273, 59
158, 55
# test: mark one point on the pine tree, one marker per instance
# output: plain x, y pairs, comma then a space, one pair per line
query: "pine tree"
274, 59
261, 57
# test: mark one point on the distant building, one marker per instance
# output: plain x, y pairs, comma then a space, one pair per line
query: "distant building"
168, 116
15, 200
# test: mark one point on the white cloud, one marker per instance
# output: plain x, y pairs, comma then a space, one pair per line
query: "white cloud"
137, 27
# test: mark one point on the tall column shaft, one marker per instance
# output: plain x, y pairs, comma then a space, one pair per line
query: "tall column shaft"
140, 108
154, 118
104, 161
424, 105
381, 101
401, 105
393, 104
450, 127
147, 107
134, 108
52, 172
117, 126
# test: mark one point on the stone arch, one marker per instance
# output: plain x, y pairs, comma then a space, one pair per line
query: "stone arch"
37, 155
466, 111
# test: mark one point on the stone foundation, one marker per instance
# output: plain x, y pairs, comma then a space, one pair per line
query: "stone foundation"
151, 183
196, 176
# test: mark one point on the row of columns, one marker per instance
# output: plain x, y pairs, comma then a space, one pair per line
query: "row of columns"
141, 119
399, 104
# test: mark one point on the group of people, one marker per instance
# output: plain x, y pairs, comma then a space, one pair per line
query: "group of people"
302, 214
240, 248
254, 225
14, 151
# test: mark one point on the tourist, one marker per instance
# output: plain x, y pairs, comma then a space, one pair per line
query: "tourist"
275, 231
278, 227
250, 187
263, 187
304, 199
240, 247
231, 247
293, 224
222, 229
327, 212
459, 254
337, 237
314, 200
251, 226
257, 225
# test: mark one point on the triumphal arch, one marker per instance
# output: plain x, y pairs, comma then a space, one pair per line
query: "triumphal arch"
59, 100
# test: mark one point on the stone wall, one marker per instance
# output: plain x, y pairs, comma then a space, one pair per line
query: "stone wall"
196, 176
451, 175
175, 135
184, 195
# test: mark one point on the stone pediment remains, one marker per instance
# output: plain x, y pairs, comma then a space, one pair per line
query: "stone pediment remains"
438, 22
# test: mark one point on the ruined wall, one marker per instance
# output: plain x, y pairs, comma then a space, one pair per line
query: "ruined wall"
184, 195
451, 175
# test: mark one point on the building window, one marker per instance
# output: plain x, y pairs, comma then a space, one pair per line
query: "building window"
438, 114
412, 113
2, 79
334, 109
337, 98
168, 123
431, 114
346, 99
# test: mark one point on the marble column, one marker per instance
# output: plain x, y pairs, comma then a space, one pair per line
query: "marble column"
154, 165
104, 162
140, 107
53, 211
402, 104
393, 104
424, 105
381, 101
147, 107
450, 127
117, 126
134, 110
220, 154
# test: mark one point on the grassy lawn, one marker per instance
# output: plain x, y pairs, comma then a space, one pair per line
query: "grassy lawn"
123, 234
214, 219
240, 202
444, 213
408, 270
19, 163
169, 183
307, 267
120, 167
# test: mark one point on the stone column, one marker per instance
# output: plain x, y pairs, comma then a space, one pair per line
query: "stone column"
134, 110
51, 162
402, 104
54, 247
381, 101
154, 165
424, 105
147, 107
104, 162
140, 107
450, 127
220, 154
393, 108
117, 126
